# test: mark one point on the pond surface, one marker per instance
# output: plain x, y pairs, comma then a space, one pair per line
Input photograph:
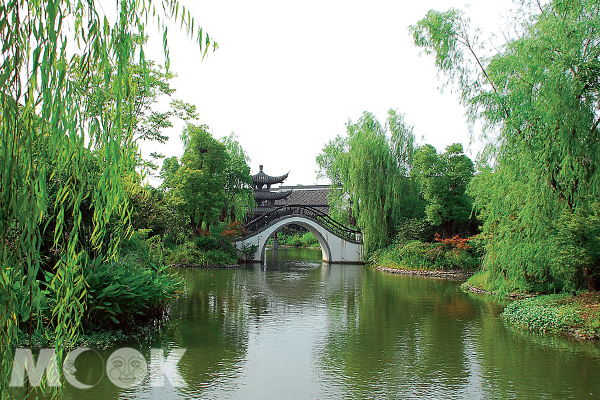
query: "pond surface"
302, 329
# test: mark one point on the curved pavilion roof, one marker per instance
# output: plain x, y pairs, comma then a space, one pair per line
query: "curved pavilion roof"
268, 195
261, 178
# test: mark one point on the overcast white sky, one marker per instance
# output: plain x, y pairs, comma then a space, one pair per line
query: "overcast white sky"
288, 75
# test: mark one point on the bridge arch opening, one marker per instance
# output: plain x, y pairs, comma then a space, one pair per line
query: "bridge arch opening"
338, 243
325, 250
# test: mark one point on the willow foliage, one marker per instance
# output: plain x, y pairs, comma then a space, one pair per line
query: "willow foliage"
45, 134
540, 92
238, 183
372, 165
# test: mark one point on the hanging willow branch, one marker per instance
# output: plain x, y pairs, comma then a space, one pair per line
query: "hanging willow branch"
46, 137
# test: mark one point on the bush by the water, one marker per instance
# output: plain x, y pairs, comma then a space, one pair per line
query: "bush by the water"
136, 285
452, 253
207, 249
548, 313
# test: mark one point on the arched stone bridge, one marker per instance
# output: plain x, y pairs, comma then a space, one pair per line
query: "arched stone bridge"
339, 244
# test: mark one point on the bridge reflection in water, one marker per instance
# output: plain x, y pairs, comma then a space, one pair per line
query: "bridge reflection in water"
339, 243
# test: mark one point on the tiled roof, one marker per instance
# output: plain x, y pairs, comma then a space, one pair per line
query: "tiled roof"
314, 197
268, 195
262, 178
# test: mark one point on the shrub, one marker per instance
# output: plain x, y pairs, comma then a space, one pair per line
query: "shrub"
203, 250
290, 240
124, 290
206, 243
219, 257
309, 240
174, 237
453, 243
247, 251
413, 254
234, 230
543, 314
229, 248
188, 253
414, 229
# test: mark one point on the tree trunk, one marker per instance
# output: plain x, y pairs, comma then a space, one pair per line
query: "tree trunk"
193, 225
591, 282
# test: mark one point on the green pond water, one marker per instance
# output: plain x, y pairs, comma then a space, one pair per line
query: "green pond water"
302, 329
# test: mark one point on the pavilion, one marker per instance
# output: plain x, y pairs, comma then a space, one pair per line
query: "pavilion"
261, 183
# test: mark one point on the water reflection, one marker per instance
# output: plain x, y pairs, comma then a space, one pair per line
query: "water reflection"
300, 328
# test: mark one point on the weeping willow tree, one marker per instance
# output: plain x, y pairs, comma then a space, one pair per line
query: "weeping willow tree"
238, 183
45, 134
371, 165
539, 198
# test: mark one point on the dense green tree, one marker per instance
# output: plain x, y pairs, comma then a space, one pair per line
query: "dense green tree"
372, 164
198, 186
539, 94
42, 119
213, 180
169, 167
239, 196
442, 180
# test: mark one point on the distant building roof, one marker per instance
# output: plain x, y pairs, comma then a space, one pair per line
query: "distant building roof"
268, 195
313, 196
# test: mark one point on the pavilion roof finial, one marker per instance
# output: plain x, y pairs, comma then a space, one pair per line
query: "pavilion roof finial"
262, 178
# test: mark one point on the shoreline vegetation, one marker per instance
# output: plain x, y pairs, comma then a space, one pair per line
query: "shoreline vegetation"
520, 216
575, 315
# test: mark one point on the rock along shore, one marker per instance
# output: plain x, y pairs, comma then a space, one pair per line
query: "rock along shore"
202, 266
454, 274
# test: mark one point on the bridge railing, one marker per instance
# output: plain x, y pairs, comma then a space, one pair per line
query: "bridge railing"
262, 221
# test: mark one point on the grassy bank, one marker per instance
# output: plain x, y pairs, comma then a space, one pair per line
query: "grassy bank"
577, 316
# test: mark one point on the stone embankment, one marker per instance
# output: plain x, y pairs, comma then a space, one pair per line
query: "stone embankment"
209, 266
514, 296
454, 274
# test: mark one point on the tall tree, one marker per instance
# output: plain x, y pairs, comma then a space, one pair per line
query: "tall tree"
442, 180
540, 94
338, 198
43, 120
198, 185
239, 196
373, 164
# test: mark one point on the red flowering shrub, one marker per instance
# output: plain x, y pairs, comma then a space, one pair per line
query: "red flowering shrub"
454, 243
203, 232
